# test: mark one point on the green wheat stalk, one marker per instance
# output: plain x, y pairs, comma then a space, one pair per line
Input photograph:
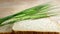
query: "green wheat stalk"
36, 12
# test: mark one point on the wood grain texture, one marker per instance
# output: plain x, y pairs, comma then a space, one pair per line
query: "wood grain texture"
33, 32
29, 32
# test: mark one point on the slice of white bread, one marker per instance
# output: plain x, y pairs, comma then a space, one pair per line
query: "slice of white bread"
44, 24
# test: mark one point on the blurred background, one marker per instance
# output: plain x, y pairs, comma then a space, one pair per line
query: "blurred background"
8, 7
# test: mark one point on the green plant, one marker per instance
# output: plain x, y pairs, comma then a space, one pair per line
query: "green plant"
36, 12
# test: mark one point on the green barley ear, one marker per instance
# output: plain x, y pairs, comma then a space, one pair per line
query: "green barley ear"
29, 11
39, 11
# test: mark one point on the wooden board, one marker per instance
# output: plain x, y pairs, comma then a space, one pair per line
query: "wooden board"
30, 32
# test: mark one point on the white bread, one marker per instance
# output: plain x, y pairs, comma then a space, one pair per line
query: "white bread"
45, 25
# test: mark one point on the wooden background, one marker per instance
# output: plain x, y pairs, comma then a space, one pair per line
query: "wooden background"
31, 33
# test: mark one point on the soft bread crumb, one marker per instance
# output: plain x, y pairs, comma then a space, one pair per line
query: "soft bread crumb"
44, 24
